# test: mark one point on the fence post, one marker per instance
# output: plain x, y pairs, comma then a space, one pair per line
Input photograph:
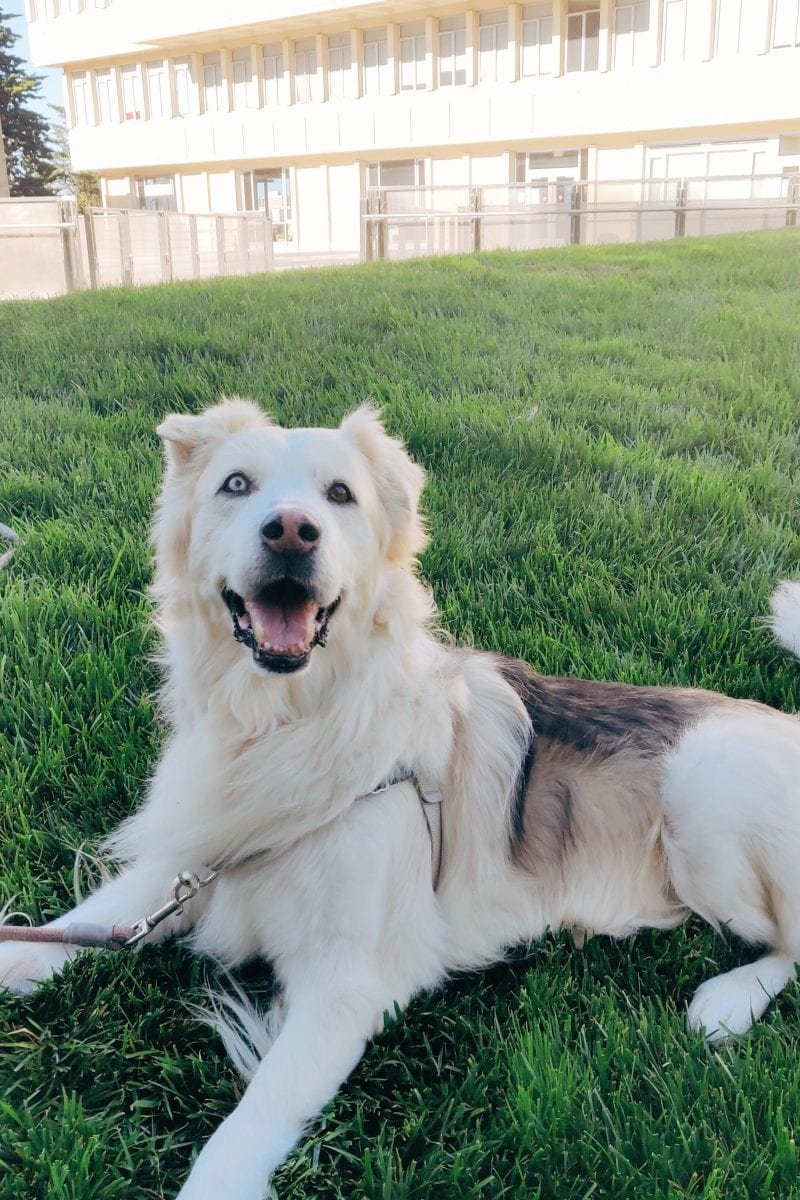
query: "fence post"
382, 211
269, 252
67, 235
125, 247
368, 226
219, 224
680, 208
475, 206
91, 247
793, 197
164, 248
244, 242
576, 205
194, 247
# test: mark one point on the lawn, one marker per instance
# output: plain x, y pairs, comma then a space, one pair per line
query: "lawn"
612, 441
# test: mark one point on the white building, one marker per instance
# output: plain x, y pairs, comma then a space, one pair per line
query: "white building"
227, 105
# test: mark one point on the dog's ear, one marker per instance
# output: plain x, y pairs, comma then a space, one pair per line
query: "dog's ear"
399, 482
184, 434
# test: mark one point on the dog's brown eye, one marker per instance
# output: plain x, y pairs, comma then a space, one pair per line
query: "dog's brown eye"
339, 493
236, 484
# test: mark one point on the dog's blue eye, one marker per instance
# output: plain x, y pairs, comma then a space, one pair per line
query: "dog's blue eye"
237, 484
339, 493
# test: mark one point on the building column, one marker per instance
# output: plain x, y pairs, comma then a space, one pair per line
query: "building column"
654, 32
356, 63
558, 40
431, 58
514, 27
606, 45
195, 102
321, 52
769, 17
712, 31
226, 71
287, 54
393, 54
471, 41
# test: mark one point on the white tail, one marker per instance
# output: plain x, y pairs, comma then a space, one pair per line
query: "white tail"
786, 615
247, 1031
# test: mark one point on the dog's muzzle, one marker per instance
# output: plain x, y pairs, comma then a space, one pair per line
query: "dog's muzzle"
281, 625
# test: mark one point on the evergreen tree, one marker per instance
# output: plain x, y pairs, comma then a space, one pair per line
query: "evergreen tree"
84, 185
29, 154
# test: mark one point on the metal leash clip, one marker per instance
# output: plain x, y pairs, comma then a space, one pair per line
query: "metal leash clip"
184, 887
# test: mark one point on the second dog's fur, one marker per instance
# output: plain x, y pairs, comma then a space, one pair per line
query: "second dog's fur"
565, 803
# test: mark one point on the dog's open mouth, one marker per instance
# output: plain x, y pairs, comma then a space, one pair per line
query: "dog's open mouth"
281, 625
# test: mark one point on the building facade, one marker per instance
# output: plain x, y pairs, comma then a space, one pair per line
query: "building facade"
301, 108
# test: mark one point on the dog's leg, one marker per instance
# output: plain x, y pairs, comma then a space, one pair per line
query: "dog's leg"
731, 807
123, 900
327, 1026
732, 1002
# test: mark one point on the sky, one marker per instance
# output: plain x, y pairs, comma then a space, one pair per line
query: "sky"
51, 89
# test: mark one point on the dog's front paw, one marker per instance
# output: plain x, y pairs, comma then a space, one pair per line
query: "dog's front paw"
728, 1004
24, 965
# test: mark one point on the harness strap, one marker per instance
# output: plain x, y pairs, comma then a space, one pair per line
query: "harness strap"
186, 885
431, 800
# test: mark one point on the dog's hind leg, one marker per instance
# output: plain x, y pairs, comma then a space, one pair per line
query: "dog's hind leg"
731, 802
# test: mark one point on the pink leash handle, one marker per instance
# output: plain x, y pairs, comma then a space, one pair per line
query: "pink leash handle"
108, 937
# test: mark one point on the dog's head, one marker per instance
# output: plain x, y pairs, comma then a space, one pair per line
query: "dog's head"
284, 528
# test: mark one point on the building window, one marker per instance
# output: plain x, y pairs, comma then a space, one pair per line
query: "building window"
245, 91
106, 97
81, 99
157, 90
493, 46
306, 87
212, 83
132, 103
452, 66
157, 193
412, 57
376, 63
548, 177
340, 61
685, 31
583, 40
740, 26
631, 28
270, 191
536, 40
399, 172
786, 30
272, 67
184, 85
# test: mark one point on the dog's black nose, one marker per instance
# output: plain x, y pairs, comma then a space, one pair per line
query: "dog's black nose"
291, 531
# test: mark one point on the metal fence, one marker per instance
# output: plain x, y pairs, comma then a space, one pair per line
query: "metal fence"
414, 222
36, 247
47, 248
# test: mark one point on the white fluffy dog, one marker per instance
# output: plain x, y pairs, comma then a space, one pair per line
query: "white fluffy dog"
312, 709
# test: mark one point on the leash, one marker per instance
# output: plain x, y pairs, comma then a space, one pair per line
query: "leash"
187, 884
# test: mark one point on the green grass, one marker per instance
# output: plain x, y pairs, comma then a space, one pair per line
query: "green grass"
612, 441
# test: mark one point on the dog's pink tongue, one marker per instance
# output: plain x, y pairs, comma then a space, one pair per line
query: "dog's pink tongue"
286, 629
